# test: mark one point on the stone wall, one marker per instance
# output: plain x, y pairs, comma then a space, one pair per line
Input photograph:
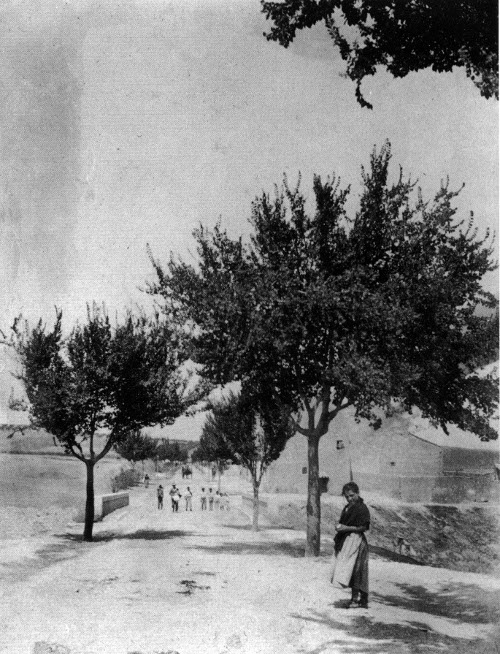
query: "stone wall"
104, 505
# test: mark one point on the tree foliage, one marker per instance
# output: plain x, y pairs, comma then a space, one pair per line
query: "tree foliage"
401, 36
99, 386
250, 429
136, 447
329, 311
171, 451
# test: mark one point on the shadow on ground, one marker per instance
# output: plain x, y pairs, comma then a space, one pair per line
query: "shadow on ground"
248, 527
389, 555
454, 601
69, 546
140, 534
293, 549
394, 638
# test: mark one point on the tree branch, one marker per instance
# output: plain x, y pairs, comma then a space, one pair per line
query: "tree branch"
105, 449
75, 454
338, 408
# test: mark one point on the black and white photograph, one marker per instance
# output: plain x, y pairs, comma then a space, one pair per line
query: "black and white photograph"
249, 327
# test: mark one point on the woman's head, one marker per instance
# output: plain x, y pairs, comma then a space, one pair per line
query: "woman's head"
350, 491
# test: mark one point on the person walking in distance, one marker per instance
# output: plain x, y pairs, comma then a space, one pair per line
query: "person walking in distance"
203, 498
159, 495
210, 500
350, 557
174, 497
188, 495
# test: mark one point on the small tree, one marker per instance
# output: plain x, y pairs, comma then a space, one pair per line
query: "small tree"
335, 312
136, 447
101, 384
171, 451
250, 430
401, 36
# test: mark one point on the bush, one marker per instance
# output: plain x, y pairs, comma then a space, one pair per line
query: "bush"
126, 478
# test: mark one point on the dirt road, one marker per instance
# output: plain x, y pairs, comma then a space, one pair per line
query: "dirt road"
203, 583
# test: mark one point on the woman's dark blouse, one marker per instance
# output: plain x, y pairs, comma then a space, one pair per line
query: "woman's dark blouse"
353, 515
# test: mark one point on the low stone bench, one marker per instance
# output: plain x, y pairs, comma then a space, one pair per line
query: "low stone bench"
103, 505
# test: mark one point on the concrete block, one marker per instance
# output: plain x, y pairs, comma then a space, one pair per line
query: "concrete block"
104, 505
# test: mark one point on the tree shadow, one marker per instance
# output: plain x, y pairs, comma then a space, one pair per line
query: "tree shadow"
454, 601
140, 534
248, 527
390, 555
392, 638
293, 549
69, 546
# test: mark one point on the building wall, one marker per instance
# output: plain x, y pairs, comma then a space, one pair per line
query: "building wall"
390, 462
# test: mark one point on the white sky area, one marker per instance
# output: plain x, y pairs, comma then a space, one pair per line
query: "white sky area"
129, 123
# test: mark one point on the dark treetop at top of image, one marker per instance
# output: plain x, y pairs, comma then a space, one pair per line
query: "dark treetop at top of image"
402, 36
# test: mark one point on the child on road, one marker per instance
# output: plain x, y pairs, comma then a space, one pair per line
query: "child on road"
188, 495
159, 495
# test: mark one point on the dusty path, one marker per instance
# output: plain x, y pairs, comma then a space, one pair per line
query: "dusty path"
203, 583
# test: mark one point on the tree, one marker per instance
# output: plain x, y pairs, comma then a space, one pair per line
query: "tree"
136, 447
401, 36
213, 450
250, 429
167, 451
101, 384
335, 312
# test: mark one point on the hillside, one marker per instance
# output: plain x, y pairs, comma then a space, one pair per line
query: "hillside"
459, 537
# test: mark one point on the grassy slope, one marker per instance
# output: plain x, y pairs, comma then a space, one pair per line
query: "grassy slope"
460, 537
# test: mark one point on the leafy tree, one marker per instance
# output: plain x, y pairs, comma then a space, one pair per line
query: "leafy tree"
100, 385
335, 312
171, 451
250, 429
401, 36
136, 447
213, 451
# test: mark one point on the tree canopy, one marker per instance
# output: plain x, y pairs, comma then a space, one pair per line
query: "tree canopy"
136, 447
250, 429
329, 311
401, 36
101, 384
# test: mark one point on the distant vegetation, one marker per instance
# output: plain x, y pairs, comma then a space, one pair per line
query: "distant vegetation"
126, 478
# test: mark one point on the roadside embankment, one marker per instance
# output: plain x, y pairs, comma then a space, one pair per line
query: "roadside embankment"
463, 537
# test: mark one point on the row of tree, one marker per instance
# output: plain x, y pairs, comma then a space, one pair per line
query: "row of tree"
137, 447
324, 311
318, 312
246, 429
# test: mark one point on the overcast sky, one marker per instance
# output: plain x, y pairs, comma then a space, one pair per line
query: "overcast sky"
126, 123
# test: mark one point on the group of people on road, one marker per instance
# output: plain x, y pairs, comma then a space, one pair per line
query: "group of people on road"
217, 500
350, 557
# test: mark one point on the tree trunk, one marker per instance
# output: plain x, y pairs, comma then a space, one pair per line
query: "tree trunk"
89, 505
255, 513
313, 528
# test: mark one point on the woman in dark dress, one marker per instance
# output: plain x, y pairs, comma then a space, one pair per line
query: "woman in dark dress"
350, 567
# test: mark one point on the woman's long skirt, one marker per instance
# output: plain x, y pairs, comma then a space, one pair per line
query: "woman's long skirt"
350, 565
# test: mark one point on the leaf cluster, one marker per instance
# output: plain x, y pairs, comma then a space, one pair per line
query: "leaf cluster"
249, 429
136, 447
329, 311
401, 36
102, 379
